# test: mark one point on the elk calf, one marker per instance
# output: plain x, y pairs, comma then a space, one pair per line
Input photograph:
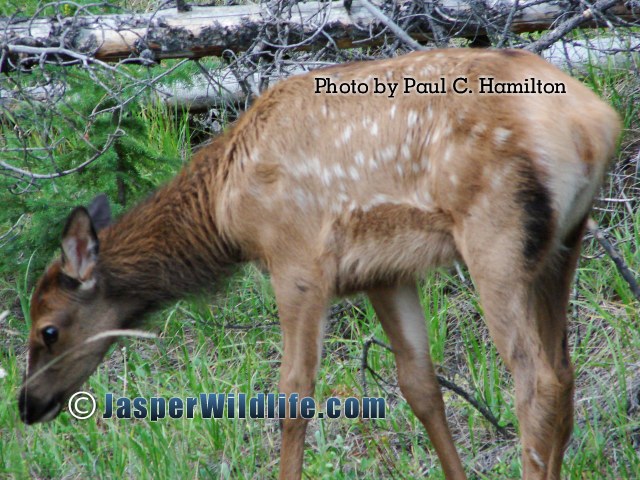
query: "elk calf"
361, 189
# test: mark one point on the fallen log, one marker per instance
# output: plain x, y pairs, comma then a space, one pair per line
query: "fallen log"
209, 31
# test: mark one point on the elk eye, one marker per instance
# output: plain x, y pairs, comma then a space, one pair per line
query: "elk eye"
49, 335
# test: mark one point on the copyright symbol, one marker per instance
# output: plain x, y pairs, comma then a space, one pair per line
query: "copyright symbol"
82, 405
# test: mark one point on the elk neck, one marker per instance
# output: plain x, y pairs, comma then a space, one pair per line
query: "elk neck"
170, 246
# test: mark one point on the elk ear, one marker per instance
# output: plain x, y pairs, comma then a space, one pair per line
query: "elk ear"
100, 212
79, 246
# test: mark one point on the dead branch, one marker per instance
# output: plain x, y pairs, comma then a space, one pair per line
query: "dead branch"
565, 27
505, 432
619, 262
400, 33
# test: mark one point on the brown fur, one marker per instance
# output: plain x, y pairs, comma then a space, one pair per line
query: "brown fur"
341, 193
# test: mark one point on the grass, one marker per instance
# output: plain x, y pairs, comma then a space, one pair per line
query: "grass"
202, 348
233, 344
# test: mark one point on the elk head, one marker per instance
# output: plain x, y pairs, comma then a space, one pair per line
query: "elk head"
68, 308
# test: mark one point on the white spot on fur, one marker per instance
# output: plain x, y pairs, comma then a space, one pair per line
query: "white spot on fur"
392, 112
496, 181
412, 118
374, 129
435, 135
388, 153
478, 129
441, 133
314, 164
300, 197
427, 199
323, 110
453, 179
406, 151
359, 158
446, 158
535, 456
340, 200
326, 177
353, 173
346, 135
501, 135
339, 171
377, 199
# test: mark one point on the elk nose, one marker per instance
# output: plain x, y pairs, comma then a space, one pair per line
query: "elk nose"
33, 409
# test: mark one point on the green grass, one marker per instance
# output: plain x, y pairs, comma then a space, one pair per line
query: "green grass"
233, 344
203, 349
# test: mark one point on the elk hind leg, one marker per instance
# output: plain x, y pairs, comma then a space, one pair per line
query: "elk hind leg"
525, 309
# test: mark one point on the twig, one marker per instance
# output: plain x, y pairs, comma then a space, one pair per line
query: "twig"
484, 411
508, 24
37, 176
619, 262
565, 27
365, 364
391, 25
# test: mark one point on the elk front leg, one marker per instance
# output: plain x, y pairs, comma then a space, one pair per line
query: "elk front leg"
402, 318
302, 302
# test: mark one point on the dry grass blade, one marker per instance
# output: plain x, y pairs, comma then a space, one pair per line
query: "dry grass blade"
94, 338
120, 333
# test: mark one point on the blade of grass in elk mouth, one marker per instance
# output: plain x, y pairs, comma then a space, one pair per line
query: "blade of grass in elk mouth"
94, 338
